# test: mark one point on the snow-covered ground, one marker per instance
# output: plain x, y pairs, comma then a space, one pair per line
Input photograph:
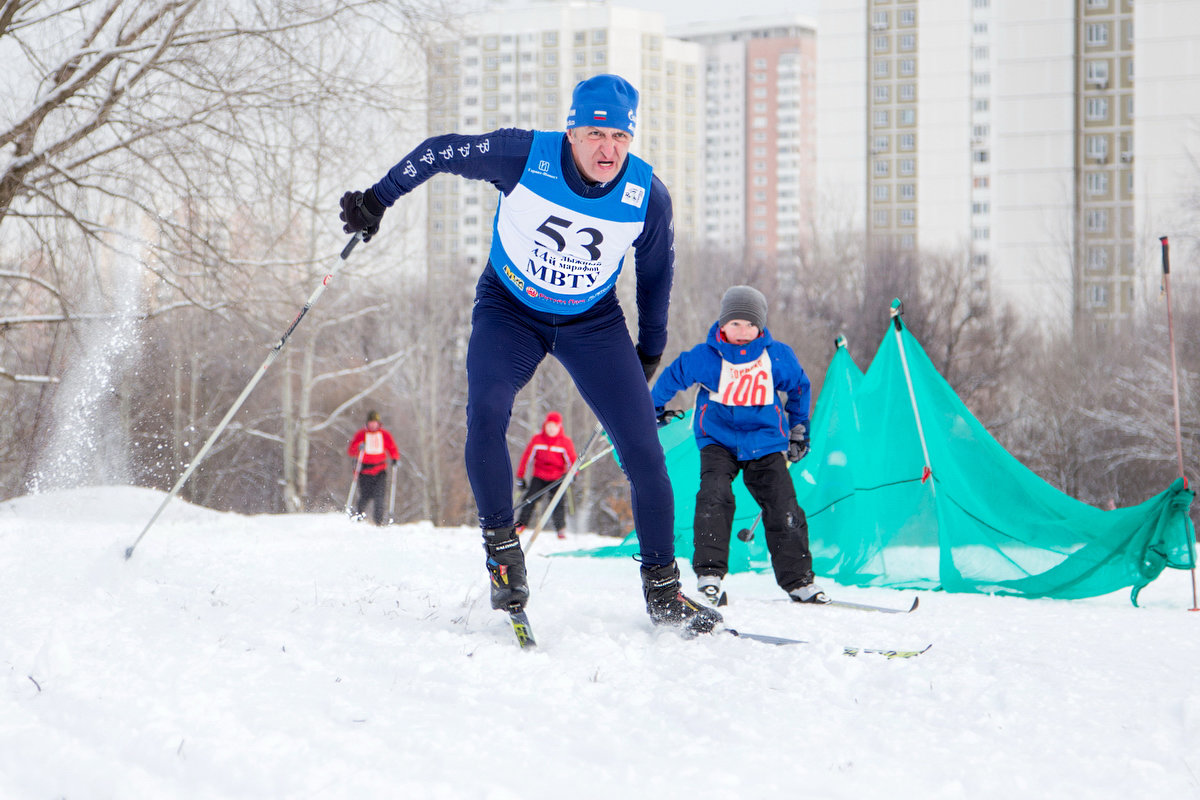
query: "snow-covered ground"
306, 656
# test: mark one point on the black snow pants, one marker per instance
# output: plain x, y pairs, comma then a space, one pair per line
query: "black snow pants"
784, 525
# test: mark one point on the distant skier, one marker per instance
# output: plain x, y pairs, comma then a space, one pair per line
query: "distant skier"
571, 205
741, 426
377, 446
553, 454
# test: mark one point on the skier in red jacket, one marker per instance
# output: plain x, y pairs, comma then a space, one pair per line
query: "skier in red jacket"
377, 446
553, 454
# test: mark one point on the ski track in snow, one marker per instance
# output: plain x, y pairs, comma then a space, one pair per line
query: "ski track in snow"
305, 656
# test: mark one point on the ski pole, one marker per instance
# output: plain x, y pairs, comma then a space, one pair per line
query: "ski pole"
562, 487
392, 496
354, 240
354, 483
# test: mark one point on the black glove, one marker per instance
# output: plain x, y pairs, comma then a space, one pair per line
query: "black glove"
361, 211
668, 416
395, 461
649, 363
797, 444
521, 484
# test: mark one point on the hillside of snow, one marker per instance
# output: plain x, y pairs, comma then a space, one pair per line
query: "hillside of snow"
307, 656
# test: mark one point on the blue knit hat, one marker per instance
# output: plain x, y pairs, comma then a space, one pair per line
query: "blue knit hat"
604, 101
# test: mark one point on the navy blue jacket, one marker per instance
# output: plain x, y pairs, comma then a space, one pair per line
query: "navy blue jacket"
499, 158
748, 431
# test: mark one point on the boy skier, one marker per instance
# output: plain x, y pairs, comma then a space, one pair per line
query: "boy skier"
741, 426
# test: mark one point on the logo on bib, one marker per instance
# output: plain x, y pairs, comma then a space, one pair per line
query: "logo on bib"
633, 195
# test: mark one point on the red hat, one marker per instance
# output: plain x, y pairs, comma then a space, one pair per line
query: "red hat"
553, 416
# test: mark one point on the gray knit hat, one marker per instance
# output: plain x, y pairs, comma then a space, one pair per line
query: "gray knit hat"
744, 302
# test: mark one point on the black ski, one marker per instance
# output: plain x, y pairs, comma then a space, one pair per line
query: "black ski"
849, 651
522, 629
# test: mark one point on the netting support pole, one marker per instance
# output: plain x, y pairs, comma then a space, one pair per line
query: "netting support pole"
1166, 287
912, 395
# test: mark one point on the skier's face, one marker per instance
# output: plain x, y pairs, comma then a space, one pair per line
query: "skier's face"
552, 428
373, 425
740, 331
599, 153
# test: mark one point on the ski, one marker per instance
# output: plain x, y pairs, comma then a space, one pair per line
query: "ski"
849, 651
523, 630
869, 607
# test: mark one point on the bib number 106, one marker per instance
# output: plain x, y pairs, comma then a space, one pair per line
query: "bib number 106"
750, 389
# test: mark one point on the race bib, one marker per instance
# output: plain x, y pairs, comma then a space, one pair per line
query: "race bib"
749, 384
373, 443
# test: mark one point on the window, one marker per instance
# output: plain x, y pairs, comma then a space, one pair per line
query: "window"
980, 208
879, 20
908, 191
908, 92
1097, 258
1097, 109
981, 234
1097, 147
1097, 295
882, 168
882, 193
881, 119
883, 67
980, 156
880, 217
908, 66
1097, 220
549, 39
907, 141
907, 166
1097, 183
907, 116
908, 216
981, 104
1097, 34
881, 144
908, 42
1097, 73
882, 94
908, 16
881, 44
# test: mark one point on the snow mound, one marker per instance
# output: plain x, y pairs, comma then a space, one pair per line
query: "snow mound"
104, 505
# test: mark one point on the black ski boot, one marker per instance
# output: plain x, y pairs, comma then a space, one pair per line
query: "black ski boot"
667, 605
506, 566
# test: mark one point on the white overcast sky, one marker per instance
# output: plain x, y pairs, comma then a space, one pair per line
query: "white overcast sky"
683, 12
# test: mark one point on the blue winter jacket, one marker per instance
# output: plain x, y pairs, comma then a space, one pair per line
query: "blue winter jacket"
752, 422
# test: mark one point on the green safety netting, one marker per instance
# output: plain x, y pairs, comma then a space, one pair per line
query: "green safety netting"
904, 488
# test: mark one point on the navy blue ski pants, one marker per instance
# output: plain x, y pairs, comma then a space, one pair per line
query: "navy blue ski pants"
508, 341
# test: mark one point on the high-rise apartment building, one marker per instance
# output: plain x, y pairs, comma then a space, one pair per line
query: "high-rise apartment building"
1005, 131
518, 67
760, 133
